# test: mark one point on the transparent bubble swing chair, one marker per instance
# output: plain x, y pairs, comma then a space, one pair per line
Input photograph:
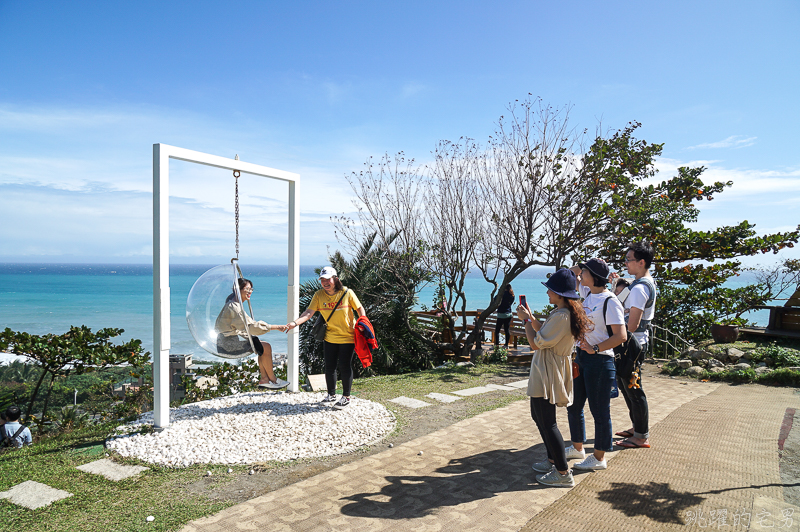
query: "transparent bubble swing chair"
209, 294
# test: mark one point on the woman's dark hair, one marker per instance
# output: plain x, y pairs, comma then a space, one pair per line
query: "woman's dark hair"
244, 282
643, 251
579, 323
337, 284
510, 290
598, 281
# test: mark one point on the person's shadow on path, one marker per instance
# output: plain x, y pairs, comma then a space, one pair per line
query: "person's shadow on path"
462, 480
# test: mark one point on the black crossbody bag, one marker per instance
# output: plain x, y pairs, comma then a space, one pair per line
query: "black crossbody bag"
321, 325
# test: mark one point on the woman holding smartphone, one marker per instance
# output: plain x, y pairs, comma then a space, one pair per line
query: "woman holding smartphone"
550, 380
595, 360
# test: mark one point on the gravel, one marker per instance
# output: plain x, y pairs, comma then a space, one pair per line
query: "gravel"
253, 428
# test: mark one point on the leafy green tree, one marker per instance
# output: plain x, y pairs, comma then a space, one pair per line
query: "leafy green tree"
77, 351
18, 371
691, 266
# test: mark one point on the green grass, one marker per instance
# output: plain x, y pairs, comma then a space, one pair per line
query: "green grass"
98, 504
101, 505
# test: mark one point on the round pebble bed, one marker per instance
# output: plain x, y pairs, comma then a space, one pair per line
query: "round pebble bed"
255, 427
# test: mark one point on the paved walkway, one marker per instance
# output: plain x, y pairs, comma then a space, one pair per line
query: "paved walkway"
715, 453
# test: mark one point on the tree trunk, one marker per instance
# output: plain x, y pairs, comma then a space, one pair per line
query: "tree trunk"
47, 397
35, 393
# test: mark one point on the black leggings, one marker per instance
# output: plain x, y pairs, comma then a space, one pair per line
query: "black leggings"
341, 356
505, 323
544, 414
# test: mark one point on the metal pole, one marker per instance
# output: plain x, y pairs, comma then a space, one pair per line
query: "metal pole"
161, 325
293, 302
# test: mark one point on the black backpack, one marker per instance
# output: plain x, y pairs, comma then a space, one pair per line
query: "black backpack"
7, 442
628, 354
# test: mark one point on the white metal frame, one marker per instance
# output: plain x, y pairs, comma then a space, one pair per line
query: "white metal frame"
162, 153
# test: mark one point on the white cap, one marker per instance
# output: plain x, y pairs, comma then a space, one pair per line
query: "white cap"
327, 272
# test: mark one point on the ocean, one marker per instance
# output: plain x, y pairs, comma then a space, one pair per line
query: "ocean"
49, 298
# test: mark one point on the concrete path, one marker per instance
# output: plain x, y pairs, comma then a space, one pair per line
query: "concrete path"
714, 447
715, 465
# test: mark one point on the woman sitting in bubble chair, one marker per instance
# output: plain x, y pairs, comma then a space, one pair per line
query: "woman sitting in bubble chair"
232, 335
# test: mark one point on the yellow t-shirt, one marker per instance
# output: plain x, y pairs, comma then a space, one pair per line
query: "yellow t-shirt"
341, 326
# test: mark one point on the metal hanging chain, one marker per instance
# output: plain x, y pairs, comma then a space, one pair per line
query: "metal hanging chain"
236, 175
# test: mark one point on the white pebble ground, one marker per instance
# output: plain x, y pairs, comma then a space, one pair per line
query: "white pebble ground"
255, 427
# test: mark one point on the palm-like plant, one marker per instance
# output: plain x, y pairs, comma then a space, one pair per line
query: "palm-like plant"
386, 307
71, 418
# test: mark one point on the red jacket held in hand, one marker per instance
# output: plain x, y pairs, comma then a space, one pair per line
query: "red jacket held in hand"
365, 341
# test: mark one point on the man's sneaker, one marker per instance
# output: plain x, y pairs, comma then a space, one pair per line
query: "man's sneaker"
278, 384
341, 403
556, 479
542, 467
591, 464
572, 452
328, 399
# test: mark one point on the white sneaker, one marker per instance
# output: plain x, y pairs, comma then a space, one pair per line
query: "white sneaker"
572, 452
542, 467
556, 479
591, 464
328, 399
278, 384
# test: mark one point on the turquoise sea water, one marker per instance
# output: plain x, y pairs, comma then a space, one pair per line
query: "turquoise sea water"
48, 298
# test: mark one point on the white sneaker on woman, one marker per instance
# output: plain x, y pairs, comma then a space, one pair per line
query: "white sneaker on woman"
591, 464
572, 452
278, 384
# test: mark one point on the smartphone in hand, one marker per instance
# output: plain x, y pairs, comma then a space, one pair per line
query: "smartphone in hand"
523, 301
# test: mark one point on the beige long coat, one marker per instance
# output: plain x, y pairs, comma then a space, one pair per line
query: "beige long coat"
551, 366
229, 322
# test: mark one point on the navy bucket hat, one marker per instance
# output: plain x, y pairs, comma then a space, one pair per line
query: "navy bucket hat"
563, 283
597, 267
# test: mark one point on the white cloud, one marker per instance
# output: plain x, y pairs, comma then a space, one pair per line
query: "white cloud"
768, 198
412, 89
336, 92
734, 141
78, 183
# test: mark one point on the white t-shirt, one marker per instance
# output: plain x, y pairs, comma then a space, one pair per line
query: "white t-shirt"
593, 306
638, 299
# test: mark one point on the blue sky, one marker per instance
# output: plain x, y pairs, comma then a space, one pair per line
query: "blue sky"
86, 89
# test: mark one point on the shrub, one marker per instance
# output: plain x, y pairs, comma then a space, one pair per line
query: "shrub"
498, 355
780, 377
781, 356
231, 378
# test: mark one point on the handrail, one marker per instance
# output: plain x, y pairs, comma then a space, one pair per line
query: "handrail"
674, 349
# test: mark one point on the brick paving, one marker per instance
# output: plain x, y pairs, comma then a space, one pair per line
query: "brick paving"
476, 475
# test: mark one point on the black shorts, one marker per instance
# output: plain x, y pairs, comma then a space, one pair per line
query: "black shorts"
238, 346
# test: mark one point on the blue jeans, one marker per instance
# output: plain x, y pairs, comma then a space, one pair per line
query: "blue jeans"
597, 375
